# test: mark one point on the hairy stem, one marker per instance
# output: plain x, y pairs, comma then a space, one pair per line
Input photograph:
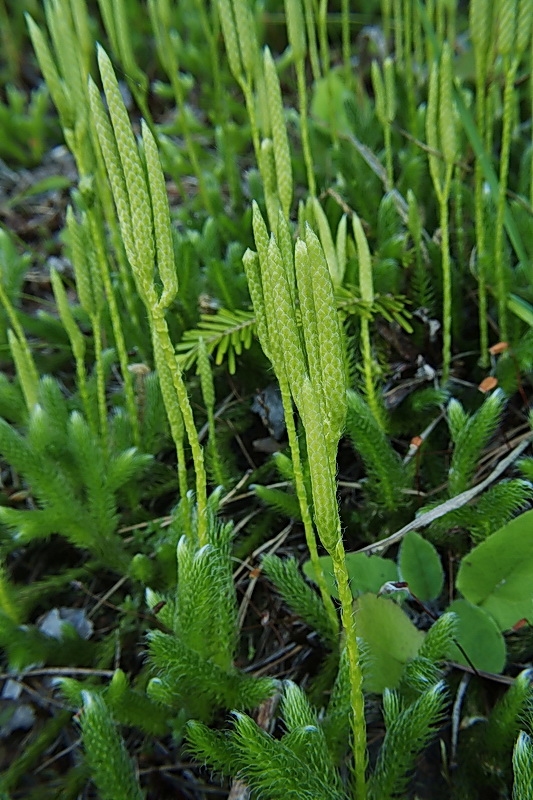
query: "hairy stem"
356, 675
303, 501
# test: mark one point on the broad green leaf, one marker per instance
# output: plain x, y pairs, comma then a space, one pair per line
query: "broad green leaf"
479, 637
391, 638
497, 575
420, 567
367, 574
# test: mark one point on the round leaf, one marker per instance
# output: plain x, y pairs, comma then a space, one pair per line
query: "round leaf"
367, 573
480, 638
391, 638
497, 575
420, 567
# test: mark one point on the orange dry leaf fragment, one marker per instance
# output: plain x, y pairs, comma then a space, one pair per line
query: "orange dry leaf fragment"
487, 384
497, 348
416, 441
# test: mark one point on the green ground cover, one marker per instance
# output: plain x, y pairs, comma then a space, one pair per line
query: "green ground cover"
266, 345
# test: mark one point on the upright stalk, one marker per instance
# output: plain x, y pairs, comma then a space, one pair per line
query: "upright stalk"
296, 33
163, 342
345, 12
480, 32
357, 700
303, 501
446, 275
510, 67
102, 263
100, 381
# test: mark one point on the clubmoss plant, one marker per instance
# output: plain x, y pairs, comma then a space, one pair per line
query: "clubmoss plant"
385, 94
441, 137
312, 369
366, 287
523, 771
297, 39
160, 18
480, 32
208, 394
77, 342
284, 769
514, 32
66, 71
142, 208
194, 658
112, 770
73, 478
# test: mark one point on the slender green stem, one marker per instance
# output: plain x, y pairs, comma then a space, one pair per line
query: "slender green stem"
370, 389
356, 676
418, 39
459, 216
162, 340
531, 117
81, 376
398, 34
304, 127
345, 11
174, 416
407, 19
311, 38
246, 87
480, 221
103, 265
510, 67
387, 131
440, 13
303, 501
323, 35
100, 381
19, 332
385, 19
446, 275
210, 31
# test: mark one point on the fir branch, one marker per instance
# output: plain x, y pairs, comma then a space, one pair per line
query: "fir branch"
282, 502
387, 475
111, 768
505, 719
336, 722
523, 767
470, 436
490, 512
185, 677
408, 734
206, 610
273, 770
226, 334
462, 499
212, 747
439, 639
299, 596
